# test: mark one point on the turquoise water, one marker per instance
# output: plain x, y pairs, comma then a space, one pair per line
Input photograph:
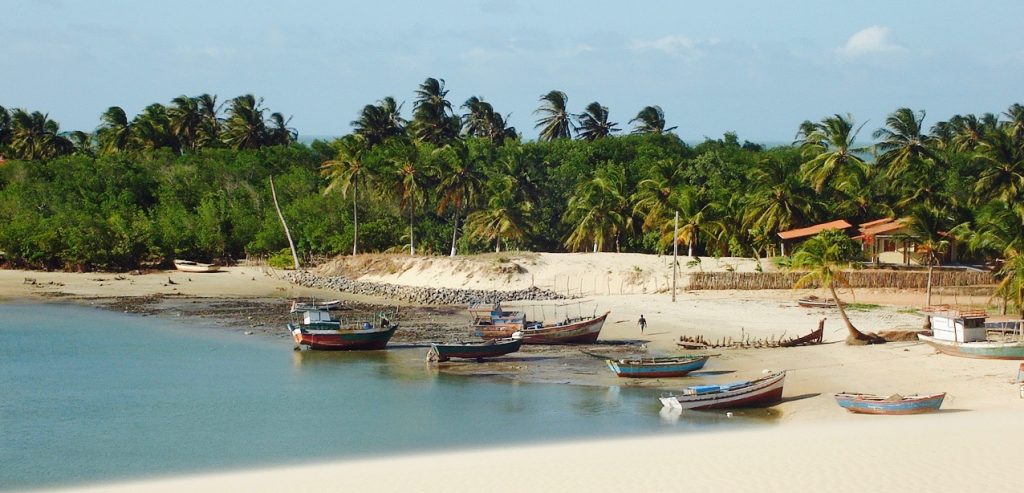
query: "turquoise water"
89, 396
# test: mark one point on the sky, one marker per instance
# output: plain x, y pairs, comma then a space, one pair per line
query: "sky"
757, 68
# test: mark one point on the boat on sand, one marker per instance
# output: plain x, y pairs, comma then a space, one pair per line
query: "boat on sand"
894, 404
664, 367
479, 351
194, 267
496, 323
963, 332
763, 391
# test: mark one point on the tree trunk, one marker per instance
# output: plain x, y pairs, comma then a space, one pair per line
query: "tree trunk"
412, 241
288, 234
455, 231
497, 243
595, 246
928, 290
689, 250
856, 337
355, 221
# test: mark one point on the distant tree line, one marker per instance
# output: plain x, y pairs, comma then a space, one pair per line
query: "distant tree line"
190, 180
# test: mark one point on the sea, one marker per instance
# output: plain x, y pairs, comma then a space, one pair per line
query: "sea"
93, 396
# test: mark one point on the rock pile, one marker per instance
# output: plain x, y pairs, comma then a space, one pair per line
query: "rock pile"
419, 294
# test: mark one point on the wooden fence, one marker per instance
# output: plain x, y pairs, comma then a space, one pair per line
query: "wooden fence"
858, 279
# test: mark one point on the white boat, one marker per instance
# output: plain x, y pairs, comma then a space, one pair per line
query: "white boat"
764, 391
190, 266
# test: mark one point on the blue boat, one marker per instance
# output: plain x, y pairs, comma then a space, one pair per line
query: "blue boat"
675, 366
894, 404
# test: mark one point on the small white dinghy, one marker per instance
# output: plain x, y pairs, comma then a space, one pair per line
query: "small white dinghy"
190, 266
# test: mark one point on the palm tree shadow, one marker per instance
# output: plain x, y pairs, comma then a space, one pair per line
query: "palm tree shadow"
799, 397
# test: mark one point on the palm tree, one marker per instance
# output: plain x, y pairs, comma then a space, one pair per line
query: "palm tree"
650, 120
245, 127
5, 127
1015, 124
379, 122
655, 196
594, 122
822, 260
461, 183
279, 133
833, 156
556, 122
596, 209
186, 121
698, 217
210, 128
505, 217
82, 142
1002, 156
1000, 232
115, 133
433, 119
903, 144
410, 176
482, 121
34, 136
345, 173
152, 128
778, 199
929, 226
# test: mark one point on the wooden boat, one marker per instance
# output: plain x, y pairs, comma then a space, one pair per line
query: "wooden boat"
764, 391
318, 331
301, 306
475, 350
894, 404
195, 267
495, 323
673, 366
812, 338
1013, 350
816, 302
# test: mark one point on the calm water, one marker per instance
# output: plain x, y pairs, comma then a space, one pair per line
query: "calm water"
89, 396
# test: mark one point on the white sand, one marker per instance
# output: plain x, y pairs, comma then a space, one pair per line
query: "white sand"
816, 446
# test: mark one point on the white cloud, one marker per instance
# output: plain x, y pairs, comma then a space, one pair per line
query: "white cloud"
674, 45
869, 41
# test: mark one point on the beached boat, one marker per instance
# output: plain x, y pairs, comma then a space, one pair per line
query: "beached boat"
301, 306
673, 366
816, 302
475, 350
764, 391
195, 267
894, 404
964, 333
495, 323
318, 330
814, 337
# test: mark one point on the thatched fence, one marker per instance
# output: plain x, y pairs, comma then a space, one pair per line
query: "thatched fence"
858, 279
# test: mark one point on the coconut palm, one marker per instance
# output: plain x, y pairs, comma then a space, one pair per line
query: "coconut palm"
655, 197
433, 119
482, 121
822, 260
1015, 120
245, 126
152, 128
903, 145
596, 210
210, 127
929, 228
82, 142
594, 122
461, 183
409, 177
778, 199
650, 120
556, 122
1002, 176
505, 217
34, 136
698, 217
345, 173
832, 155
115, 133
5, 127
278, 132
379, 122
999, 231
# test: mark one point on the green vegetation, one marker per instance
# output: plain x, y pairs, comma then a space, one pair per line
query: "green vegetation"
190, 180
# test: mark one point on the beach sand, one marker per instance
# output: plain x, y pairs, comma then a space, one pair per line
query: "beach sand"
814, 446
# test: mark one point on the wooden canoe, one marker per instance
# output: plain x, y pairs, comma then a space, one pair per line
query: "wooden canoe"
812, 338
474, 350
667, 367
895, 404
572, 331
194, 267
982, 350
763, 391
816, 302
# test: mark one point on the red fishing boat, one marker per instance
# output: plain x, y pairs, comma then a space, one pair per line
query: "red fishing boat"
495, 323
764, 391
318, 330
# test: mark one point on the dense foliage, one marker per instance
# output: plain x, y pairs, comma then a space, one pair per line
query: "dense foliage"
191, 180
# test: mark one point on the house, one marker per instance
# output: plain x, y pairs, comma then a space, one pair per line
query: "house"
794, 236
890, 241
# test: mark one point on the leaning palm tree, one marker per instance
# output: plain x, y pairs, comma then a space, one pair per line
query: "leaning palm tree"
822, 260
594, 122
245, 127
833, 157
650, 120
596, 210
505, 217
556, 122
34, 136
345, 173
379, 122
461, 183
115, 131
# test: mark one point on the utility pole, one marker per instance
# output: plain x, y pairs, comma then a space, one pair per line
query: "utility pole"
675, 253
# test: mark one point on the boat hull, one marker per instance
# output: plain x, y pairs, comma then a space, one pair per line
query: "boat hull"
979, 350
195, 268
581, 332
341, 340
639, 369
862, 404
760, 393
444, 352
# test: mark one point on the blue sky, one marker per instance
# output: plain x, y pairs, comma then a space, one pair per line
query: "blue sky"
755, 67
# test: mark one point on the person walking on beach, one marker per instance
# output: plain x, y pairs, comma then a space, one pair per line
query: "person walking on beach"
643, 323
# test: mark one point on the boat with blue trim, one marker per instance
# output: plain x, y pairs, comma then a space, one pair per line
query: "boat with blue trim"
664, 367
894, 404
